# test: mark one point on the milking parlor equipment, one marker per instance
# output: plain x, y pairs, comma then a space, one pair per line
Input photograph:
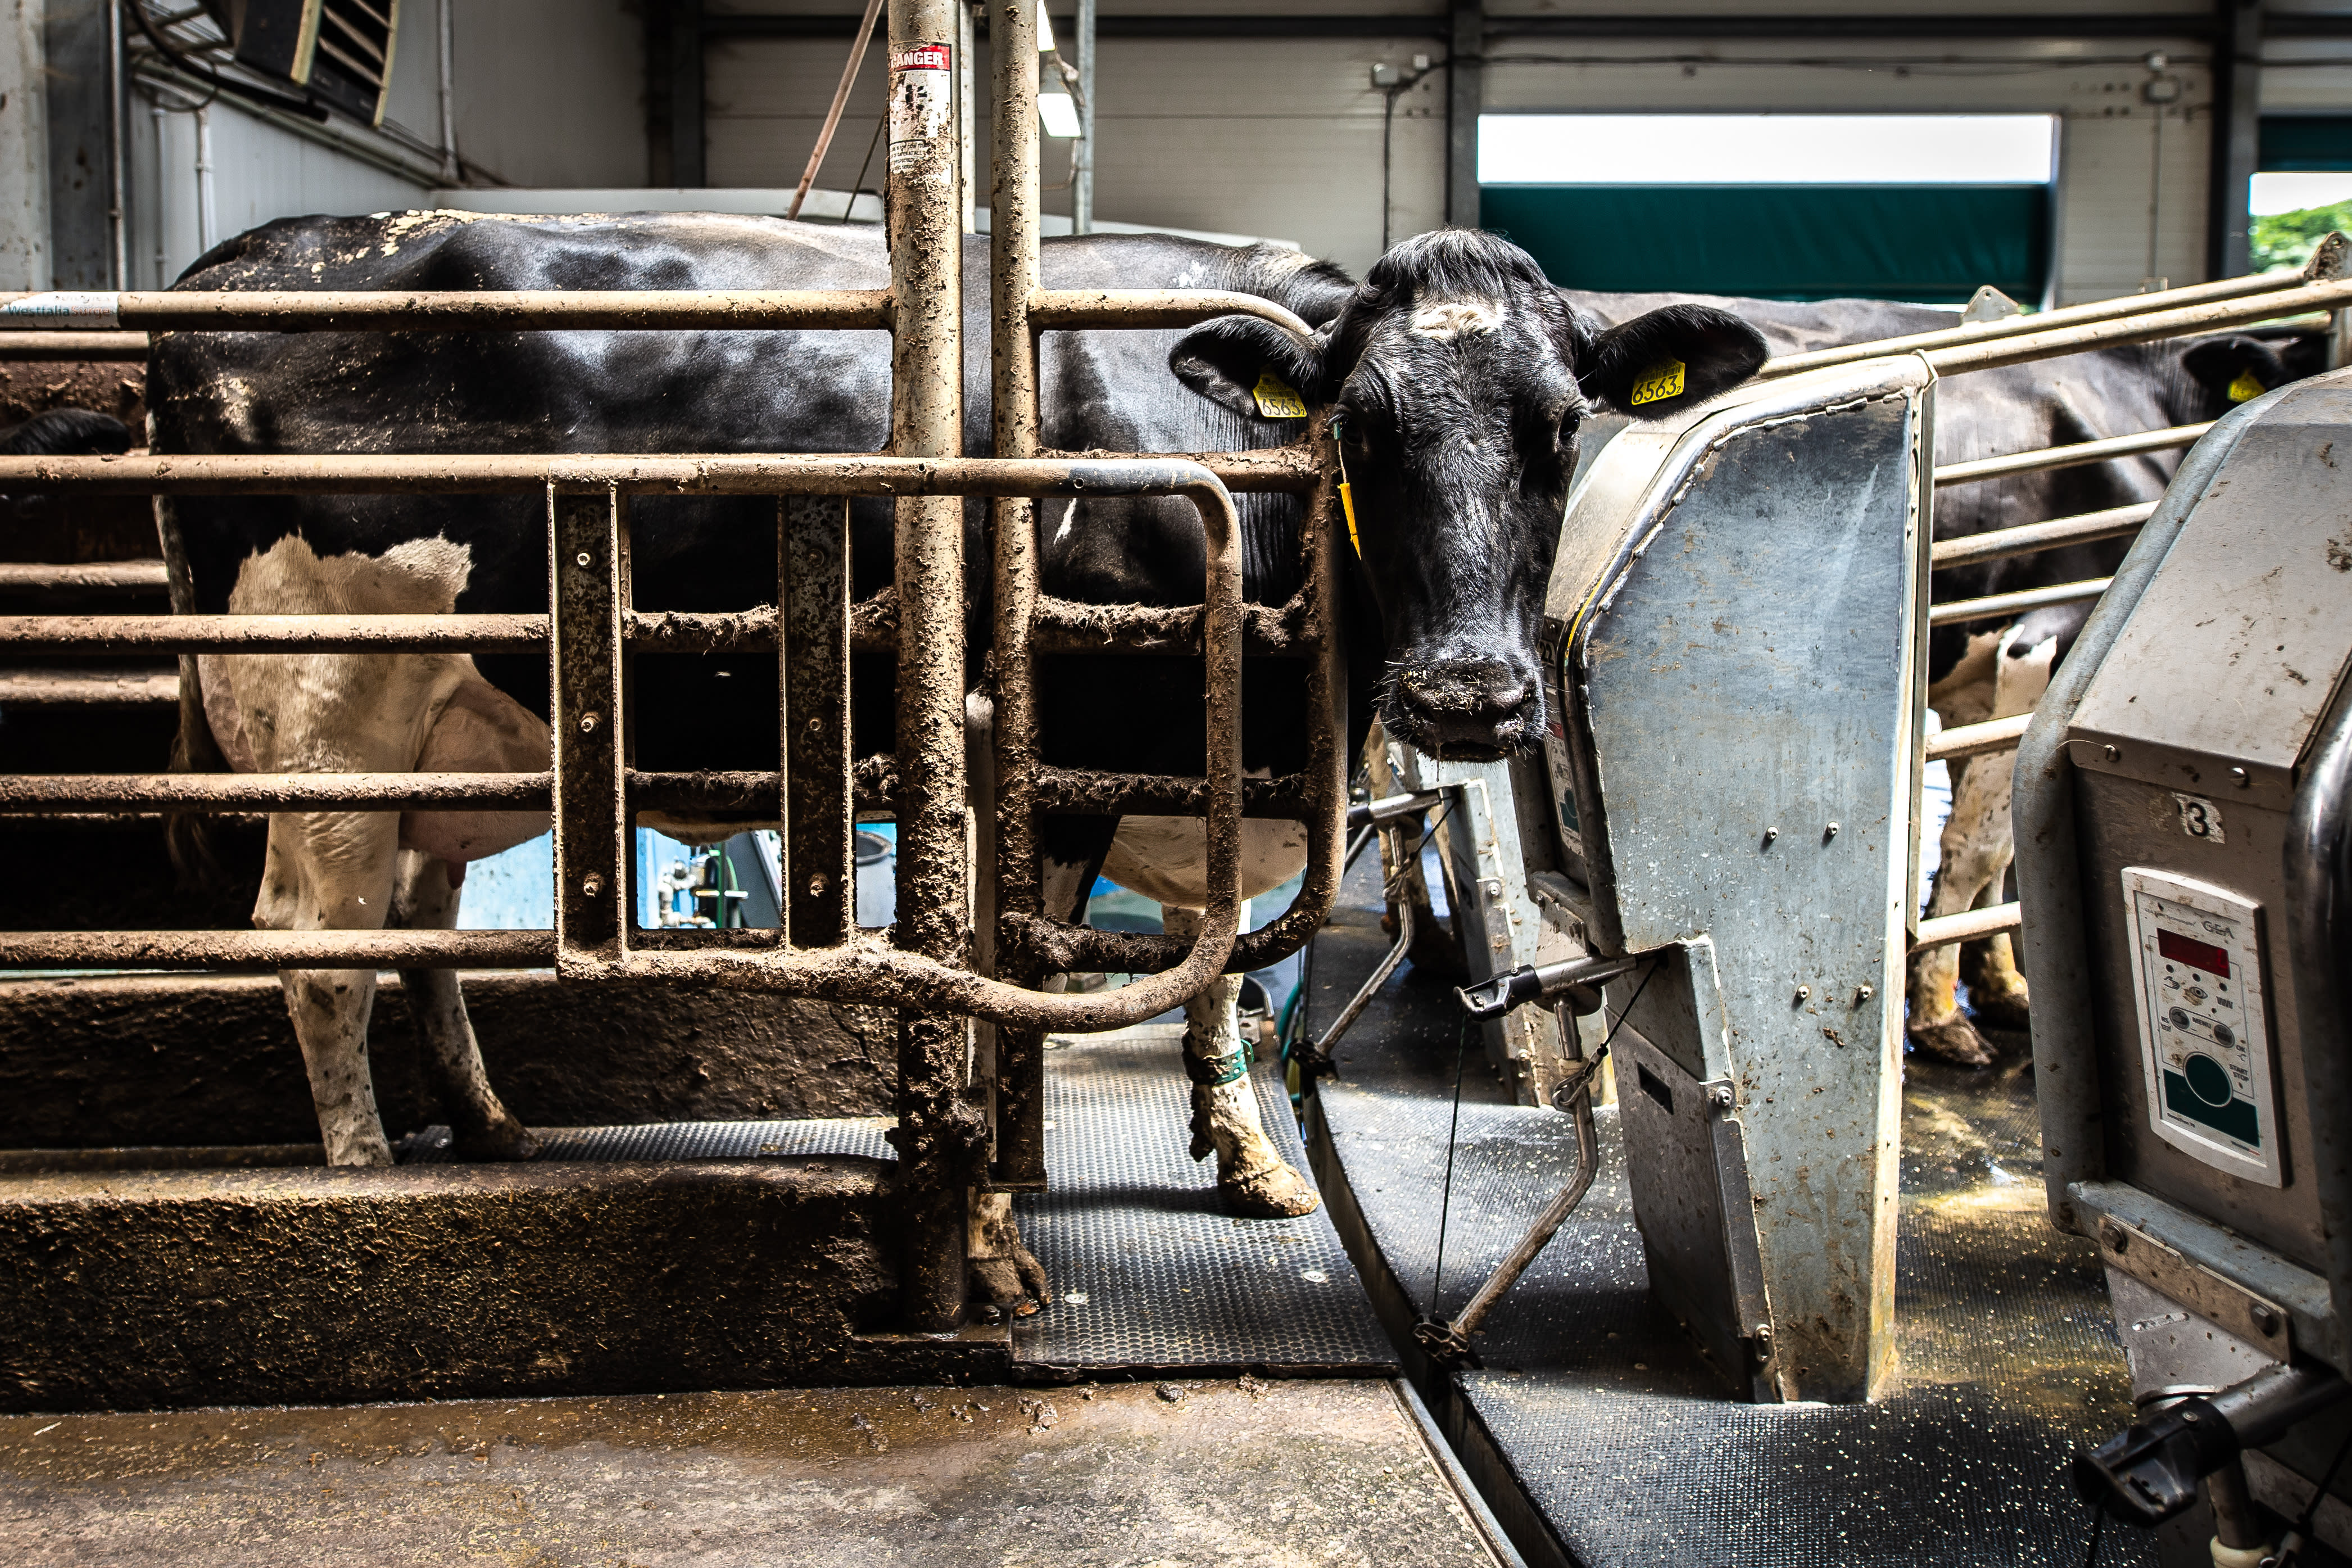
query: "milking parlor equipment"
1709, 872
2183, 809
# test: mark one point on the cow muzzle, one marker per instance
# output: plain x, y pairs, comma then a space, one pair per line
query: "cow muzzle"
1464, 710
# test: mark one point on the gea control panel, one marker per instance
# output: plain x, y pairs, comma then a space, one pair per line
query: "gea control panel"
2196, 972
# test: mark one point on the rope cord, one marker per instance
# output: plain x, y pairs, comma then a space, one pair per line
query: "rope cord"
2098, 1527
2310, 1515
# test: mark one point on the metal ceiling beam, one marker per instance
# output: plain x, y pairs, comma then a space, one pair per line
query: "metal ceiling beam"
1696, 29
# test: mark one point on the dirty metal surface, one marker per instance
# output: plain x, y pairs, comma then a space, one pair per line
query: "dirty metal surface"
861, 1136
1150, 1271
1596, 1407
1278, 1472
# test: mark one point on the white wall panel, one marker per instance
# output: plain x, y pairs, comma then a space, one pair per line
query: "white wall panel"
24, 150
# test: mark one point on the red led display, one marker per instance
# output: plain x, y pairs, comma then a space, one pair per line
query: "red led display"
2204, 955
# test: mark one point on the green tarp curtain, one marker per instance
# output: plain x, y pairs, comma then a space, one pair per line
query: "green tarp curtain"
1931, 243
2305, 143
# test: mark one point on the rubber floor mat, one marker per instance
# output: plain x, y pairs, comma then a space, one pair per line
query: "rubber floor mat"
1149, 1271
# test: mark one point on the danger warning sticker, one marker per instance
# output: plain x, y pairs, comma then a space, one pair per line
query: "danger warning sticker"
922, 98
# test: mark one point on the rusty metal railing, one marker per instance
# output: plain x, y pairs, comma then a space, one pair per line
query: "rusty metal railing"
939, 966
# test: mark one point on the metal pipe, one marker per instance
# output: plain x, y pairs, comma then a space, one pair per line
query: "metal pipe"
1070, 310
2081, 529
2072, 457
833, 115
118, 155
416, 310
94, 577
748, 631
939, 1140
1013, 287
724, 474
251, 950
207, 224
1082, 172
2137, 329
40, 794
1967, 926
1997, 607
1978, 740
2043, 321
118, 347
448, 30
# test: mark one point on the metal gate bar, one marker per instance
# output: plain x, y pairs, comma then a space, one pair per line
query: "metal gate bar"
2325, 264
2024, 540
2072, 457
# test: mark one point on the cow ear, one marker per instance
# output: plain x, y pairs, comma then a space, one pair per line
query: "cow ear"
1257, 369
1670, 359
2234, 369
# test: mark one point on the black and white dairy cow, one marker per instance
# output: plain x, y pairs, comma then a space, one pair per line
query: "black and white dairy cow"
1460, 375
1996, 669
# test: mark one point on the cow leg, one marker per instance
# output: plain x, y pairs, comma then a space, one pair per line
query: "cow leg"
484, 1129
1997, 994
328, 871
1975, 854
1252, 1178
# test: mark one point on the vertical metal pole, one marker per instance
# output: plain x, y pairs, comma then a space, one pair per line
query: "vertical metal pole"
2237, 136
967, 119
686, 160
118, 155
938, 1133
587, 594
819, 884
207, 225
447, 31
1081, 178
1465, 94
1013, 279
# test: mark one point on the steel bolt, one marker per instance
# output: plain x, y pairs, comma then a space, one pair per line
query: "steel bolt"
816, 885
2241, 777
580, 559
2113, 755
2112, 1237
588, 723
1720, 1096
1863, 994
1832, 831
592, 886
2266, 1320
1804, 991
1770, 834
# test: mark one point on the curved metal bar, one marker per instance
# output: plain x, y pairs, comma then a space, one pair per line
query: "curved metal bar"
1993, 606
2043, 321
1070, 310
2080, 529
2137, 329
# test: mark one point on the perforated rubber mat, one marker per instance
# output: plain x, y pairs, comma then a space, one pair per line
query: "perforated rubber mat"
1148, 1272
1630, 1446
1151, 1272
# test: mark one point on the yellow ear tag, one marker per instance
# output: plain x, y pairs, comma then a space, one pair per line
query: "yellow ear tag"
1659, 383
1276, 400
1348, 505
2245, 387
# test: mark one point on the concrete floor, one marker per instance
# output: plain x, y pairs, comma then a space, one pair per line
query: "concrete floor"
1227, 1472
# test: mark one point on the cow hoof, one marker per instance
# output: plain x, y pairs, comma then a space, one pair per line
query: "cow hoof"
1276, 1193
996, 1282
2001, 1010
509, 1140
1955, 1040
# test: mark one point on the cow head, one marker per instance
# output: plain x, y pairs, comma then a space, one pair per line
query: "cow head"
1456, 379
2234, 367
